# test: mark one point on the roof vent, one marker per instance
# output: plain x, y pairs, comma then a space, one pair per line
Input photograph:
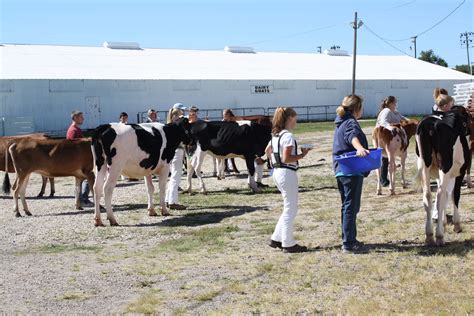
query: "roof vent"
336, 52
239, 49
122, 45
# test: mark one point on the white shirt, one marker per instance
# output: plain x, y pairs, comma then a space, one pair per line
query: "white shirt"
287, 140
387, 117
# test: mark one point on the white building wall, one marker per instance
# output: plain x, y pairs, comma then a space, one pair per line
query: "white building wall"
50, 102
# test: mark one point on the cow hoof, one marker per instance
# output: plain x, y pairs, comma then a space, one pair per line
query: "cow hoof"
51, 195
151, 212
17, 214
28, 213
429, 240
439, 241
113, 223
40, 195
79, 208
379, 192
98, 223
165, 212
457, 228
392, 192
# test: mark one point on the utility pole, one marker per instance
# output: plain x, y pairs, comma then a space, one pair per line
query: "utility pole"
467, 40
356, 24
414, 43
319, 49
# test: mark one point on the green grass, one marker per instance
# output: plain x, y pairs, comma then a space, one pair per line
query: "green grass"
326, 126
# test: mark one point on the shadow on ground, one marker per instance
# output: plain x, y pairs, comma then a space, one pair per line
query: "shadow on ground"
458, 248
203, 218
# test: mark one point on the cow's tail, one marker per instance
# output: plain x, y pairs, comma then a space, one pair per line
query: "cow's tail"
418, 180
98, 151
6, 187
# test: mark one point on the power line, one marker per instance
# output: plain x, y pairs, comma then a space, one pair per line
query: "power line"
293, 35
430, 28
385, 41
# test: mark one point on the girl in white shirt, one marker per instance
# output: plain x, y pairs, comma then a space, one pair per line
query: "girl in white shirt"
283, 152
388, 114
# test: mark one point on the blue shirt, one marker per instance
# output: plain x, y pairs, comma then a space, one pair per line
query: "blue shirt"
347, 128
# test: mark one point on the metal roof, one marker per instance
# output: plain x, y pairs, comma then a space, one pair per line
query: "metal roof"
79, 62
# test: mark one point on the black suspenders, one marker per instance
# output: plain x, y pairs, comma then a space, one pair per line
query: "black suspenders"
278, 163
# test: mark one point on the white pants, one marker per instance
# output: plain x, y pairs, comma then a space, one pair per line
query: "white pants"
258, 172
287, 182
176, 169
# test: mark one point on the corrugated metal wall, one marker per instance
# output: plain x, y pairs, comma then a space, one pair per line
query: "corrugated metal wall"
50, 102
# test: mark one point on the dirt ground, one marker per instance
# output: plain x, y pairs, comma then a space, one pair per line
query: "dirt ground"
213, 257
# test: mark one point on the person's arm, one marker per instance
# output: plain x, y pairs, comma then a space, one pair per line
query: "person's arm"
287, 156
361, 151
268, 150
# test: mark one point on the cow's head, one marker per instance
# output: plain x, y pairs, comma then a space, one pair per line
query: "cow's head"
183, 129
464, 119
409, 126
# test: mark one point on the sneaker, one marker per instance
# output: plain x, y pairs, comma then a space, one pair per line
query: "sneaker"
261, 185
358, 248
295, 248
176, 206
275, 244
87, 203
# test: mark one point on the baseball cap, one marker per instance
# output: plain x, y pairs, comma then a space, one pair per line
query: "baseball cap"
75, 113
179, 106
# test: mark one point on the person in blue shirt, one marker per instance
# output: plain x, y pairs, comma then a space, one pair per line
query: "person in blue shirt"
349, 137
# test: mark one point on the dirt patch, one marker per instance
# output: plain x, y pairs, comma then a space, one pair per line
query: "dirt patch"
213, 257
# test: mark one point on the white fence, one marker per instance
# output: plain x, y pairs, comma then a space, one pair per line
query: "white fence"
463, 92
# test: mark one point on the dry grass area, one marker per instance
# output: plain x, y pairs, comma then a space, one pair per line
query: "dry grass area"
213, 258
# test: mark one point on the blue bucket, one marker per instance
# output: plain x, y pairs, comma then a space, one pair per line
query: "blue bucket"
351, 164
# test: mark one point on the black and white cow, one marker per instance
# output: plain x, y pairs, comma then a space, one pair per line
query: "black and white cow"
227, 140
135, 150
444, 153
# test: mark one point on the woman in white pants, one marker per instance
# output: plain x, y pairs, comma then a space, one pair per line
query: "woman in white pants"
283, 152
176, 165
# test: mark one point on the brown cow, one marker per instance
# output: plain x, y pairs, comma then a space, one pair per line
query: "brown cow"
5, 142
50, 158
394, 141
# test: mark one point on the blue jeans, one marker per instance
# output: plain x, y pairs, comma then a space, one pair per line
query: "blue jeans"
350, 189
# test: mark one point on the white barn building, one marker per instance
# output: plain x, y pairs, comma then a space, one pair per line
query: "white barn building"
45, 83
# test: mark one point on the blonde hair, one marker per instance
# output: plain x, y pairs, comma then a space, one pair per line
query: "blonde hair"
351, 103
442, 100
439, 91
280, 117
386, 102
173, 115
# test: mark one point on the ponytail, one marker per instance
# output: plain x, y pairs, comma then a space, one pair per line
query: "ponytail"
386, 102
280, 117
439, 91
351, 103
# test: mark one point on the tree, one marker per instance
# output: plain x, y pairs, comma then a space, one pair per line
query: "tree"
431, 57
463, 68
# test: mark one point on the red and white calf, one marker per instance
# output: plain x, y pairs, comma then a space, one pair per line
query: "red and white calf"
394, 140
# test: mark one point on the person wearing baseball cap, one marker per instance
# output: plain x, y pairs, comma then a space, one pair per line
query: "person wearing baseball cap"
179, 106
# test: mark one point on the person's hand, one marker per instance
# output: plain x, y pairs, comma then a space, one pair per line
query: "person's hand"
304, 151
362, 152
259, 161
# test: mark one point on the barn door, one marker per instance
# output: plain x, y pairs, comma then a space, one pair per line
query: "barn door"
92, 112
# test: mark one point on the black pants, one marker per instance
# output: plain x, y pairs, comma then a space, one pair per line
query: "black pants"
384, 175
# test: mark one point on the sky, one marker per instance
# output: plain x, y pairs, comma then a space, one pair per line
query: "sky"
266, 25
